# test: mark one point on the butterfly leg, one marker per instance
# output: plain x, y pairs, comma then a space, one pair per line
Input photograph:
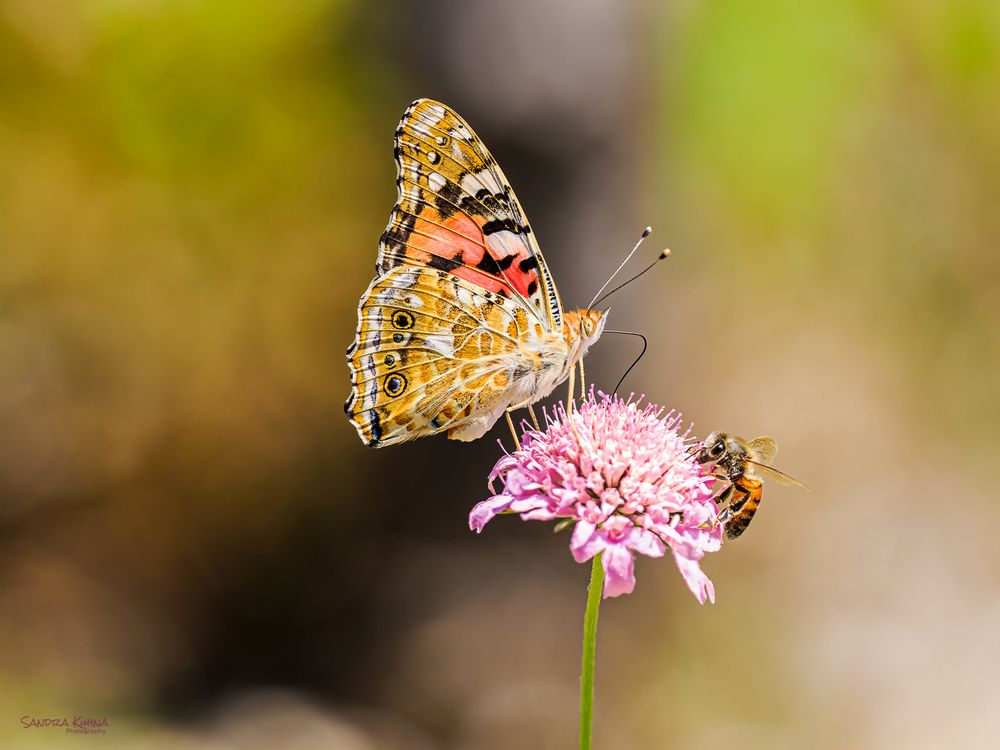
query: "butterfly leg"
572, 389
570, 404
534, 419
513, 433
583, 381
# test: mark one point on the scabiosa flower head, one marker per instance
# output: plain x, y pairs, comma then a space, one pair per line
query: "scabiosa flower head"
624, 476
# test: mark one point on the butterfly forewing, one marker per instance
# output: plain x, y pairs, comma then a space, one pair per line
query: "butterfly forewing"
456, 212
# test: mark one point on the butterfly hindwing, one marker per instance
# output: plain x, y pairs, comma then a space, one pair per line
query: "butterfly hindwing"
434, 352
457, 213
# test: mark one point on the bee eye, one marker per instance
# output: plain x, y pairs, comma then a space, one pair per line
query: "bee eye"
717, 449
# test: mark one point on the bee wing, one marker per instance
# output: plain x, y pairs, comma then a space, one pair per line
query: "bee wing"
772, 473
763, 449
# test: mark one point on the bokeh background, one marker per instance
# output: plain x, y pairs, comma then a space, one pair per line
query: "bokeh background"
195, 545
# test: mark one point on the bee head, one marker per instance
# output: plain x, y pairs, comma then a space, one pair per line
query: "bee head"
714, 448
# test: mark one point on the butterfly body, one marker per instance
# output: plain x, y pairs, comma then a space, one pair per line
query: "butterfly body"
462, 320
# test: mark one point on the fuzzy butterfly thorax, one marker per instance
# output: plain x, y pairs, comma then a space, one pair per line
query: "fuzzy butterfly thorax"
463, 319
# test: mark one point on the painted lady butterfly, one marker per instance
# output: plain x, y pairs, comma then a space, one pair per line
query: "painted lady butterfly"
462, 320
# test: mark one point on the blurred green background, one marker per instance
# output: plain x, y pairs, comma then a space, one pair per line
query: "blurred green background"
195, 545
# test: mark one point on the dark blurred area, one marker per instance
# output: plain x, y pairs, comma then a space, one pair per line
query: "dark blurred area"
195, 544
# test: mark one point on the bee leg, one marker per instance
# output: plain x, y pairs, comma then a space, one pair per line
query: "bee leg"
737, 506
726, 495
723, 501
734, 498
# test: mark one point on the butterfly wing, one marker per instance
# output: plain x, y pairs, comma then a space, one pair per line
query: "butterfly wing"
462, 315
457, 213
435, 352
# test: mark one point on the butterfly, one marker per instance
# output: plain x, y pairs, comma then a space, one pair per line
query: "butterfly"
462, 320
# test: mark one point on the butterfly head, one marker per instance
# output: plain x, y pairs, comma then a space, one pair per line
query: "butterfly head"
583, 328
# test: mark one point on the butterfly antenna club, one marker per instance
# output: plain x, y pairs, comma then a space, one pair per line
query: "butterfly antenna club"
645, 233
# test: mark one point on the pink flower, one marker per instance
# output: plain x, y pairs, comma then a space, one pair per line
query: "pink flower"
625, 478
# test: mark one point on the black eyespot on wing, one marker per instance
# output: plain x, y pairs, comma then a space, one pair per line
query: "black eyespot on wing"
394, 385
398, 338
402, 319
532, 287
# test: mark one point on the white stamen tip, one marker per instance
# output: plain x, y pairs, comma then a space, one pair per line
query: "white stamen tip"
665, 253
647, 231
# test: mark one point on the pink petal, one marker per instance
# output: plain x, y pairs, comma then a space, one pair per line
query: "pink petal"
619, 571
502, 465
542, 513
485, 511
645, 542
586, 542
696, 580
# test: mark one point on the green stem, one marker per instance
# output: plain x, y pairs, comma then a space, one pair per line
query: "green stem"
589, 650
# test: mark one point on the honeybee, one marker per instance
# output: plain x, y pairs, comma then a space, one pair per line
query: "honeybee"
744, 463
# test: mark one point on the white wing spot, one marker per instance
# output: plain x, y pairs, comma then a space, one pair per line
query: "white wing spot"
443, 345
436, 181
485, 179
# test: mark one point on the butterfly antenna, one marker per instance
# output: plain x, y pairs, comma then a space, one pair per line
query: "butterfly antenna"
641, 354
662, 256
645, 233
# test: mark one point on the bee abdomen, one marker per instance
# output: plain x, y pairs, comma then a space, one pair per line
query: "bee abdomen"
743, 509
737, 525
